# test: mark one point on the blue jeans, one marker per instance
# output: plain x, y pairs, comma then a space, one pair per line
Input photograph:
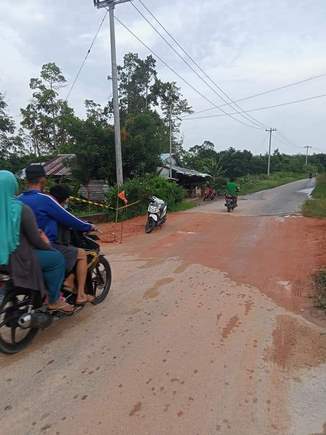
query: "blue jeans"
53, 268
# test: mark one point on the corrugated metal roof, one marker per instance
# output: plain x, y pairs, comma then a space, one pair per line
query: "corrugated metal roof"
57, 167
189, 172
165, 158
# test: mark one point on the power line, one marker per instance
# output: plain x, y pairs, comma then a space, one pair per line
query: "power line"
315, 97
224, 97
86, 56
269, 91
180, 76
287, 141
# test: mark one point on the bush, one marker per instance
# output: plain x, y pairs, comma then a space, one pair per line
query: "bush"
316, 207
140, 189
320, 285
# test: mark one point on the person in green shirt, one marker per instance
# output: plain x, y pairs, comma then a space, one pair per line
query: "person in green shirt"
232, 189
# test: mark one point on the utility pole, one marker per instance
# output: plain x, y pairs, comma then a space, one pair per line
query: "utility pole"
307, 153
270, 131
110, 4
170, 126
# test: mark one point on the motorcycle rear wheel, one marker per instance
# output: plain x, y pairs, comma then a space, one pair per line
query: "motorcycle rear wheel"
14, 304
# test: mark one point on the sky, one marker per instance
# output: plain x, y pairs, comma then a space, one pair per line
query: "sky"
246, 47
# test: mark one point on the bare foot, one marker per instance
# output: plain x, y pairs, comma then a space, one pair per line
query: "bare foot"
84, 299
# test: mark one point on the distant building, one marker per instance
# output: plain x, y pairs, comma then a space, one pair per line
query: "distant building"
188, 178
59, 168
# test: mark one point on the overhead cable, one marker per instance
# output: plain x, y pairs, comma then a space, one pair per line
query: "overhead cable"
200, 76
269, 91
86, 57
258, 109
181, 77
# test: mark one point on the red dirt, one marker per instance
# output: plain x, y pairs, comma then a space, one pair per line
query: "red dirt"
278, 256
117, 233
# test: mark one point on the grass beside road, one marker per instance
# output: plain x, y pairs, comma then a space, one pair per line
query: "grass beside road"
320, 285
316, 207
186, 204
255, 183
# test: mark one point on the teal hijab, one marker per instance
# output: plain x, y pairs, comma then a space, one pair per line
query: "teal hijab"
10, 216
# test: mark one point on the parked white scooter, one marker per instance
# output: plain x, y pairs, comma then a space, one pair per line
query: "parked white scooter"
157, 214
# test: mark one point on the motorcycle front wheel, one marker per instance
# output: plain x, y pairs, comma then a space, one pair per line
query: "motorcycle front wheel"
101, 279
150, 225
13, 338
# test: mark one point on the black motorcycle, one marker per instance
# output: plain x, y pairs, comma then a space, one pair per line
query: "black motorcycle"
230, 203
23, 312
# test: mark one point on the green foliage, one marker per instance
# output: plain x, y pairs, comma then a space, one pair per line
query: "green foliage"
320, 285
142, 91
11, 144
183, 206
136, 81
140, 189
93, 144
46, 116
144, 137
316, 207
255, 183
236, 163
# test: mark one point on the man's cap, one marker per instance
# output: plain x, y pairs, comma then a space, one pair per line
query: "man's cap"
60, 192
34, 171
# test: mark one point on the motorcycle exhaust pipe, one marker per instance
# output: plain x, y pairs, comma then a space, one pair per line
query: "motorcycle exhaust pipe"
35, 320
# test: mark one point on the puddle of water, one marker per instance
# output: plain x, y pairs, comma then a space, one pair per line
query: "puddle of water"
307, 191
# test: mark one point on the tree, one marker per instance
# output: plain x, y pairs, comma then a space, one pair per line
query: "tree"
12, 145
45, 118
173, 106
141, 91
136, 79
144, 139
92, 141
7, 129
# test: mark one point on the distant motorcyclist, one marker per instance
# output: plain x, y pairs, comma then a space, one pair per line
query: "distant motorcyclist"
232, 189
210, 193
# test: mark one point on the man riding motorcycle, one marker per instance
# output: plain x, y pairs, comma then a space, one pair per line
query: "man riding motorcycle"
49, 215
232, 189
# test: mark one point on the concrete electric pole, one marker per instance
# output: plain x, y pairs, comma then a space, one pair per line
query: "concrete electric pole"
270, 131
171, 138
110, 4
307, 153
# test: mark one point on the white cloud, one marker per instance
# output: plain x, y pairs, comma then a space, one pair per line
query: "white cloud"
246, 46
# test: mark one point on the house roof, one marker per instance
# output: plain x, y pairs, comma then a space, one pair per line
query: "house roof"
57, 167
165, 158
189, 172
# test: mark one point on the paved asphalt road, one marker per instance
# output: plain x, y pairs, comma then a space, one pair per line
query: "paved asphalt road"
281, 201
203, 334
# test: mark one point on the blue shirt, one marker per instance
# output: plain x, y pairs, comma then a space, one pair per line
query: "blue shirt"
49, 214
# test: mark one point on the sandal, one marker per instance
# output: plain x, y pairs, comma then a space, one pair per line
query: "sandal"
61, 307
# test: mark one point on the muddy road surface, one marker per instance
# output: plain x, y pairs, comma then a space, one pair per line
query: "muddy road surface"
209, 329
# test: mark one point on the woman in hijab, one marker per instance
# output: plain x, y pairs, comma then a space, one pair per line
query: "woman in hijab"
25, 251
